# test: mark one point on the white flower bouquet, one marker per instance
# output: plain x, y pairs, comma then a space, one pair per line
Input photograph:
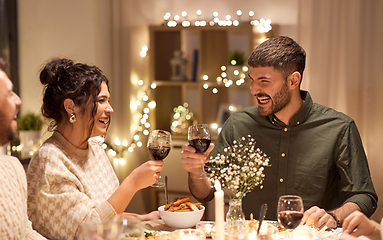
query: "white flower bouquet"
241, 168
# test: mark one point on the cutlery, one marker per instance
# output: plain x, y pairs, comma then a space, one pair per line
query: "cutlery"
262, 214
166, 190
149, 227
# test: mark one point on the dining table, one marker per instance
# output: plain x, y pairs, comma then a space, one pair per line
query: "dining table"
157, 225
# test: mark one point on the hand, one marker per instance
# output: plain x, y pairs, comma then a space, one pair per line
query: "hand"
346, 236
146, 174
357, 224
318, 218
191, 161
150, 216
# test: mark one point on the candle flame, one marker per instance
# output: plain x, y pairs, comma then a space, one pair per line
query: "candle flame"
217, 185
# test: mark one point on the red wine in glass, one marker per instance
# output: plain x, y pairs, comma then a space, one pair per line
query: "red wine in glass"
200, 144
159, 144
290, 219
199, 138
158, 152
290, 212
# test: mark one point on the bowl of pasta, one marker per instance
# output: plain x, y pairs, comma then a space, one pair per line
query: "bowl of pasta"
181, 213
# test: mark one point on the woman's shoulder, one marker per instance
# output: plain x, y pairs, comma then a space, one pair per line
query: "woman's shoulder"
48, 148
95, 143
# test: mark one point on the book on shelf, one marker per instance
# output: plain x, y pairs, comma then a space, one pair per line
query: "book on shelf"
195, 65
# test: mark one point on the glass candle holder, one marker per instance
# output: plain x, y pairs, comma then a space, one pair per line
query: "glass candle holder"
187, 234
206, 226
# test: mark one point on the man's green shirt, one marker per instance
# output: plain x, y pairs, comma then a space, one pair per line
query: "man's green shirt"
319, 156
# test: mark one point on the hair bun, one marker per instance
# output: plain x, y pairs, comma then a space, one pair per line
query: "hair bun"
55, 70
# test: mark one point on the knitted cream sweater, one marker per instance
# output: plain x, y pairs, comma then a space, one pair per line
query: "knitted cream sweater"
14, 223
68, 188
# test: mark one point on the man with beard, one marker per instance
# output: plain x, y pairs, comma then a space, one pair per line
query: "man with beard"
14, 223
315, 152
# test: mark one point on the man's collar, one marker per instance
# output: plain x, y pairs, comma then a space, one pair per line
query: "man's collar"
300, 116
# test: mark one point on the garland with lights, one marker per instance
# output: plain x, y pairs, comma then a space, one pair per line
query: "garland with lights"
116, 150
264, 25
181, 113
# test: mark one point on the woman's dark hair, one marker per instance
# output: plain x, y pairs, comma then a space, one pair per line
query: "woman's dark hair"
63, 79
282, 53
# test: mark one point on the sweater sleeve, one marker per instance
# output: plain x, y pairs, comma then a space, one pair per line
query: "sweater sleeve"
58, 204
29, 232
13, 216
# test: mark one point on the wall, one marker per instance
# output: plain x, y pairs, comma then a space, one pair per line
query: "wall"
344, 67
47, 29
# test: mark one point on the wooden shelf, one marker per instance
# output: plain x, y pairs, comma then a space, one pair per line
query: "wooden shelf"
214, 45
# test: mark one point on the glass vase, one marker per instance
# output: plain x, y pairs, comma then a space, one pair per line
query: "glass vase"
235, 218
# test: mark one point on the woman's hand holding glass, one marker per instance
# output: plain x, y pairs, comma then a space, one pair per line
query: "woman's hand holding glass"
159, 145
146, 174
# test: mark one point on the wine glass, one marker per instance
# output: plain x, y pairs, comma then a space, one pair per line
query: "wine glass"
159, 144
199, 138
94, 230
131, 228
290, 212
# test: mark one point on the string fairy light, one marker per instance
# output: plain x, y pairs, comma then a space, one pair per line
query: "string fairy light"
116, 149
263, 25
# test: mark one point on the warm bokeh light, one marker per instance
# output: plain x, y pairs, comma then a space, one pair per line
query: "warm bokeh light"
167, 16
152, 104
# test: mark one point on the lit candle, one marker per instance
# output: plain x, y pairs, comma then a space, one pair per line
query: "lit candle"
219, 212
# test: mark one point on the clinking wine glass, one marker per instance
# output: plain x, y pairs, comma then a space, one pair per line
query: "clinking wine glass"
290, 212
159, 143
199, 138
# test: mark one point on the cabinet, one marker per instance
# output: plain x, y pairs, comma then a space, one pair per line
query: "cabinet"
214, 45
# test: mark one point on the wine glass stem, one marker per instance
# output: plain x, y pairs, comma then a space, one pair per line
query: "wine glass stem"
290, 235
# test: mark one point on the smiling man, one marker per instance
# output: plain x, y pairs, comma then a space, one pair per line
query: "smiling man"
315, 152
14, 223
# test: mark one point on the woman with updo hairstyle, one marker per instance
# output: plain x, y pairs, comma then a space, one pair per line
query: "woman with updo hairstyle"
71, 183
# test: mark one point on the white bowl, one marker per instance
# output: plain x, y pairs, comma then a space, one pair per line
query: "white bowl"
181, 219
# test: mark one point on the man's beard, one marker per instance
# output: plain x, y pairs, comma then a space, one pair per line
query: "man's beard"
7, 134
278, 102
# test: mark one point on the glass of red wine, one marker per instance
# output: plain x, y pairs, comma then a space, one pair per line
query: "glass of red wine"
159, 143
290, 212
199, 138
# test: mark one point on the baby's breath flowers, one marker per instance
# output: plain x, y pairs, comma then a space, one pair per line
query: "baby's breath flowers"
240, 168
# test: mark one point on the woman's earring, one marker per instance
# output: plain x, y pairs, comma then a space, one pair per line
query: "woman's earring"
72, 118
